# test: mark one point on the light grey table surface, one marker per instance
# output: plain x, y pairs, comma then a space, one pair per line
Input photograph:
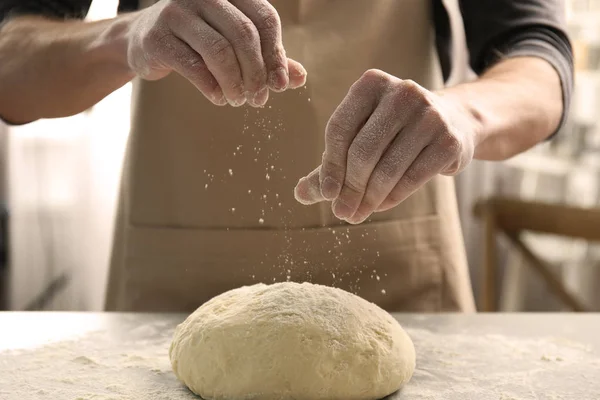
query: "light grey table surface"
125, 356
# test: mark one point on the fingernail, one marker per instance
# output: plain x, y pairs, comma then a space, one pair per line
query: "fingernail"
237, 102
341, 210
298, 75
305, 194
278, 79
219, 99
357, 218
330, 188
260, 98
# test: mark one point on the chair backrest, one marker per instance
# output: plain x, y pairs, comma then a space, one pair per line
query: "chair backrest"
518, 215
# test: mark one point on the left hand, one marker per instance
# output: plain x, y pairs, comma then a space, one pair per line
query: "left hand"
385, 140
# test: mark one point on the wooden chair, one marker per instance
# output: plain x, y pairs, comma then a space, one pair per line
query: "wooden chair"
511, 217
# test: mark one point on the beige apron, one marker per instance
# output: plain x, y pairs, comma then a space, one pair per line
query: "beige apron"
207, 200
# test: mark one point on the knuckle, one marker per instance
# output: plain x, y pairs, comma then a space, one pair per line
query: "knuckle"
411, 86
410, 178
331, 168
195, 64
361, 152
398, 97
337, 133
449, 143
247, 32
278, 57
354, 185
411, 91
171, 10
220, 49
374, 76
385, 174
269, 19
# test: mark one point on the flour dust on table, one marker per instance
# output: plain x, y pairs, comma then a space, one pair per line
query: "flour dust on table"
100, 365
126, 358
291, 341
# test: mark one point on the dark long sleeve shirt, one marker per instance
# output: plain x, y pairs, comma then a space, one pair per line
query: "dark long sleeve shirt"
494, 29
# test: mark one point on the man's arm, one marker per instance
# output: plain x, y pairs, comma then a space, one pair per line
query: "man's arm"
516, 104
525, 61
56, 69
412, 134
231, 50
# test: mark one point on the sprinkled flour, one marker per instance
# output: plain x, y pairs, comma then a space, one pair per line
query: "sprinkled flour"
132, 363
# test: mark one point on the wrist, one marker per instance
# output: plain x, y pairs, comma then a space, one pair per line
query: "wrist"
472, 117
514, 105
113, 41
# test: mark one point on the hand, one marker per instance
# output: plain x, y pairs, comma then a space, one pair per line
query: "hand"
385, 140
231, 50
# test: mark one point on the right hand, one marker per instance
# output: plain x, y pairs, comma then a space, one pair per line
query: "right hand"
231, 50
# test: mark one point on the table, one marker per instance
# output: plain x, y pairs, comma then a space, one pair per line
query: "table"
125, 356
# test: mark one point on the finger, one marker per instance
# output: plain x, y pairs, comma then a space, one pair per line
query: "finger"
344, 124
266, 19
403, 151
428, 164
394, 163
188, 63
236, 22
307, 190
297, 74
364, 154
216, 51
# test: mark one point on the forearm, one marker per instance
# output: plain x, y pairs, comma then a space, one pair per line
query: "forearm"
516, 104
55, 69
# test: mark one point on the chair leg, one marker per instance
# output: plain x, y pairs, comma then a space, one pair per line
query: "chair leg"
488, 288
546, 273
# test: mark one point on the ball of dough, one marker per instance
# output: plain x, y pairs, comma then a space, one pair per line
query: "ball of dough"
291, 341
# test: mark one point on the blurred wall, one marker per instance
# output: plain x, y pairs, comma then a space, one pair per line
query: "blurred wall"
63, 178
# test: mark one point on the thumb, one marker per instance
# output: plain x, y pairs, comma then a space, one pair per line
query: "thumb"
297, 74
308, 189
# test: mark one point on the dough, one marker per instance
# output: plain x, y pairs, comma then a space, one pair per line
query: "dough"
291, 341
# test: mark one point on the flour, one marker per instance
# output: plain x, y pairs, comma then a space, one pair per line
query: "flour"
464, 366
132, 364
98, 366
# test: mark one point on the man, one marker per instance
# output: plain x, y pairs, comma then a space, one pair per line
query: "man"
206, 202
